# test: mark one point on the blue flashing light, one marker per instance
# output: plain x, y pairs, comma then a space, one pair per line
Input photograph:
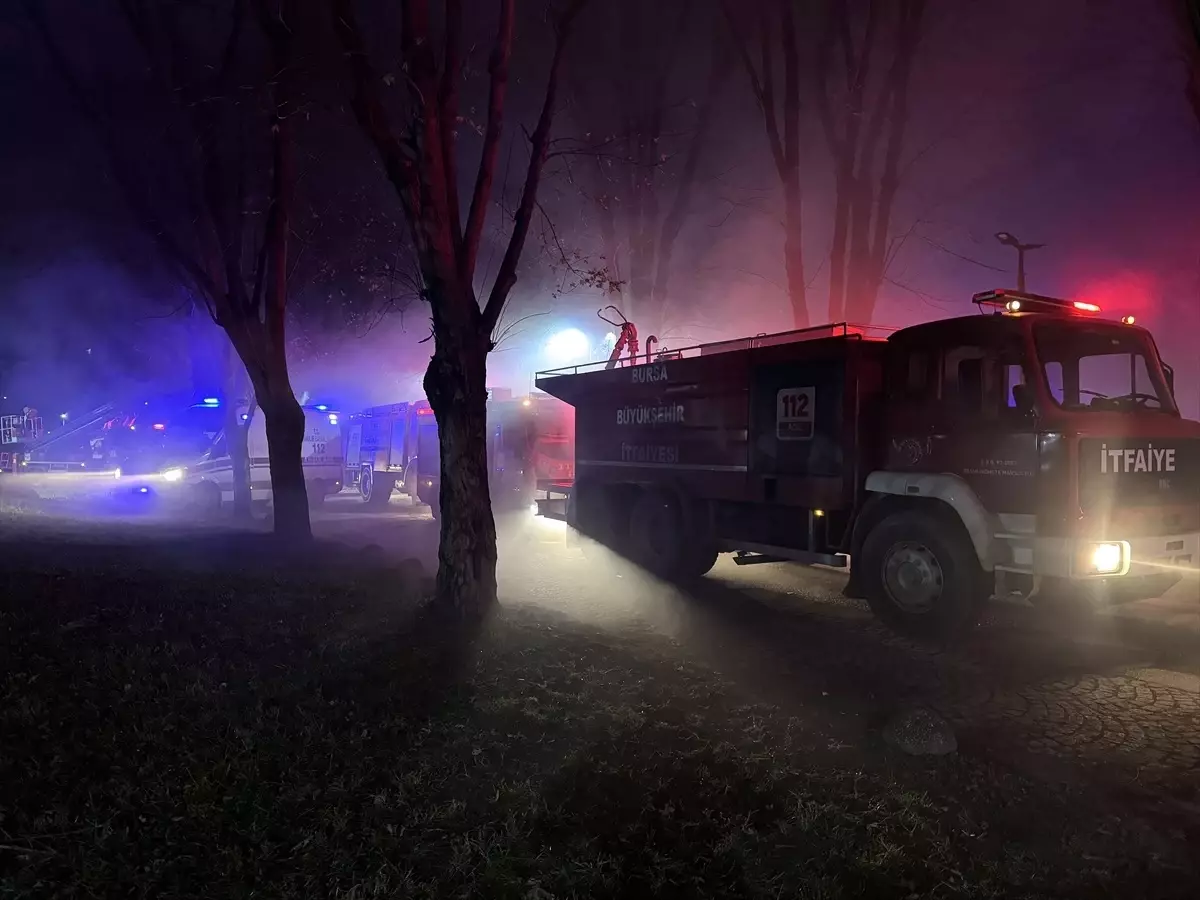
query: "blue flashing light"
321, 407
211, 401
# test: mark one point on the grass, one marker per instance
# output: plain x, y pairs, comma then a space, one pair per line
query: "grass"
208, 734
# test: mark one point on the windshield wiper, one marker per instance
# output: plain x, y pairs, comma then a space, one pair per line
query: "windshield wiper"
1139, 399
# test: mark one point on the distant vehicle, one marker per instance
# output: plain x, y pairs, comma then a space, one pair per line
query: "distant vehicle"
383, 444
530, 447
1037, 451
210, 478
107, 452
395, 447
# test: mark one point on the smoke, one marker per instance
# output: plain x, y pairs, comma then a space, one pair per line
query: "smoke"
82, 332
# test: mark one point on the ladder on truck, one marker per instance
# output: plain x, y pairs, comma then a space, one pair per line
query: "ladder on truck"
71, 427
20, 429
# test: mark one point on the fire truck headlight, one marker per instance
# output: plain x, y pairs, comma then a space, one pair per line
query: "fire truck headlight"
173, 475
1110, 558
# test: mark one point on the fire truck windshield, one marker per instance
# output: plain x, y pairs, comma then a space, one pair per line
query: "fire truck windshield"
1100, 367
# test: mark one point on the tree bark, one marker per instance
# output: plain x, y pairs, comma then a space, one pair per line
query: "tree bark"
285, 437
284, 417
235, 434
456, 385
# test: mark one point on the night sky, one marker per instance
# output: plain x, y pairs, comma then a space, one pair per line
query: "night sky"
1062, 123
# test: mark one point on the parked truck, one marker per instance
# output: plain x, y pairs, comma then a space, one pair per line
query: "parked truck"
1036, 451
384, 445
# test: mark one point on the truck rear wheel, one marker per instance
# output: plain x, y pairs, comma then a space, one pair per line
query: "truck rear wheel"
662, 542
376, 488
921, 575
207, 497
315, 490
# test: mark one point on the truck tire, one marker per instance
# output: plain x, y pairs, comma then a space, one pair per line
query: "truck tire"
659, 539
315, 491
208, 500
921, 575
598, 518
701, 558
376, 488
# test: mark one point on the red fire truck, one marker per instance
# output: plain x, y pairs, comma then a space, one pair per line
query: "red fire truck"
1037, 451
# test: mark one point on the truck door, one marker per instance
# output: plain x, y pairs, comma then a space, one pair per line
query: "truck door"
958, 403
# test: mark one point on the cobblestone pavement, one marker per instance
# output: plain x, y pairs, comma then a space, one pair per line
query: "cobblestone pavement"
1114, 696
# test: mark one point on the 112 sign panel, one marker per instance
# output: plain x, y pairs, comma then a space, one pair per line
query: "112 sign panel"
794, 413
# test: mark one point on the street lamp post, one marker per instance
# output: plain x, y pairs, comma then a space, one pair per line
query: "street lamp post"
1009, 241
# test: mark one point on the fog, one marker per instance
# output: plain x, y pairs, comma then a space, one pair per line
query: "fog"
1064, 124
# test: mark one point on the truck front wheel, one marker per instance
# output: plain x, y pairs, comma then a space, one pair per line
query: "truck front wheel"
662, 542
921, 575
376, 488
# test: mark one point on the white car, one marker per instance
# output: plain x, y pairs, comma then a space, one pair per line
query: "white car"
211, 478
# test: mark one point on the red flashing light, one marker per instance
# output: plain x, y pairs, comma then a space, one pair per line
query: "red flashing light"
425, 411
1021, 302
159, 426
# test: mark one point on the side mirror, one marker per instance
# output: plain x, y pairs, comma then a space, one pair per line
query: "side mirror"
1169, 372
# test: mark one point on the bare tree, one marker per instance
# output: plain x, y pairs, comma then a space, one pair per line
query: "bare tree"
420, 160
645, 173
769, 49
219, 209
864, 64
1187, 17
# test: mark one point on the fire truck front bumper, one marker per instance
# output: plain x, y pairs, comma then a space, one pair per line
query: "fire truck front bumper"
1116, 571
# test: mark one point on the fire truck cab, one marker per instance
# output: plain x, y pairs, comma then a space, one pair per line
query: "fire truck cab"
1035, 449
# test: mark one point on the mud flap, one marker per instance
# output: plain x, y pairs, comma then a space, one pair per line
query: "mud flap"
853, 589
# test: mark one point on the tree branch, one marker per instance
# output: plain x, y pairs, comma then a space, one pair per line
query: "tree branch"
498, 87
448, 117
758, 83
506, 277
368, 107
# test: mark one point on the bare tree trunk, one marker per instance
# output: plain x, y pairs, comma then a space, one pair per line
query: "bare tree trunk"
421, 164
235, 433
456, 385
284, 417
793, 250
1187, 17
781, 118
285, 437
672, 223
854, 129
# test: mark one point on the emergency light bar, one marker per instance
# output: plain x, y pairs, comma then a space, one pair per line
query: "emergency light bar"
1019, 301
